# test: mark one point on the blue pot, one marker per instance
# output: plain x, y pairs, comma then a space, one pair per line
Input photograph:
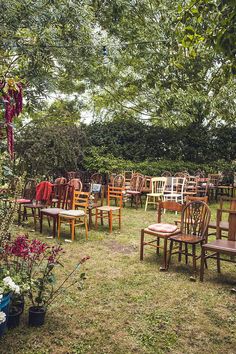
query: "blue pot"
4, 307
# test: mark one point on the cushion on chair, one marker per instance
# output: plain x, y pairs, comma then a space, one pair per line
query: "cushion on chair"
132, 192
22, 200
160, 227
73, 213
52, 211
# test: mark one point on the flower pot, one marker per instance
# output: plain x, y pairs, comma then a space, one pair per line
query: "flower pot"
36, 316
14, 318
4, 307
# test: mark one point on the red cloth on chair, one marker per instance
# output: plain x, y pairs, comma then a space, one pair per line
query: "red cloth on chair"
44, 191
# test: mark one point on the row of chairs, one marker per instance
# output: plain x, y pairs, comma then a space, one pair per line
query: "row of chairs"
188, 232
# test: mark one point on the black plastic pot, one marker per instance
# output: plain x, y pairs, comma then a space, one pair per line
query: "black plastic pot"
14, 318
36, 316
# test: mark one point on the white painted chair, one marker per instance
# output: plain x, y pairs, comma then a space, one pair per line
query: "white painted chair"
158, 186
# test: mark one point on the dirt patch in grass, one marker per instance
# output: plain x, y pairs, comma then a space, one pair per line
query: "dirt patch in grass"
115, 246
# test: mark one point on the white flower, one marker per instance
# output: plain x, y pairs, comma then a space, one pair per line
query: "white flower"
1, 296
7, 280
10, 283
2, 317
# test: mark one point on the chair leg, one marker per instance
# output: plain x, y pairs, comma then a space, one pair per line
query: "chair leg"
218, 262
110, 221
54, 227
120, 218
96, 219
202, 264
170, 253
35, 220
165, 253
86, 227
158, 245
180, 250
142, 245
146, 204
72, 229
186, 253
194, 259
41, 222
59, 227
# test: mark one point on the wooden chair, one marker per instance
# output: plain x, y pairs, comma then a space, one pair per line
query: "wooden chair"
119, 181
43, 199
212, 186
219, 246
128, 176
76, 184
135, 191
194, 223
60, 180
65, 194
202, 186
71, 175
96, 178
112, 212
96, 199
223, 225
190, 186
158, 187
77, 215
155, 232
166, 174
189, 199
147, 186
28, 195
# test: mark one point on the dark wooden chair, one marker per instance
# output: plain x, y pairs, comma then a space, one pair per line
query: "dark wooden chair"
109, 211
152, 235
194, 223
65, 196
221, 246
166, 174
223, 225
212, 188
28, 195
42, 199
135, 190
119, 181
76, 184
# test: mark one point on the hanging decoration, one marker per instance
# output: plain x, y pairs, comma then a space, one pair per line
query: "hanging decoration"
11, 96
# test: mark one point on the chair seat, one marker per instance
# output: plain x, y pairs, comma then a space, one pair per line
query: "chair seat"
175, 195
108, 208
224, 225
221, 245
22, 201
160, 227
185, 238
72, 213
52, 211
34, 206
161, 234
132, 192
155, 194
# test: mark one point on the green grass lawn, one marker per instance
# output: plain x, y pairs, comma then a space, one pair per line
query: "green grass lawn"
128, 306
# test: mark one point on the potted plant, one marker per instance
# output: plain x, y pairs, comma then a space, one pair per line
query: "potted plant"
35, 262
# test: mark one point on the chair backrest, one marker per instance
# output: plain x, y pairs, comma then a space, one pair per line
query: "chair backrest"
213, 180
128, 176
76, 183
137, 182
96, 178
178, 184
44, 192
119, 181
190, 198
170, 205
195, 219
80, 200
71, 175
115, 193
158, 184
232, 225
166, 174
60, 180
147, 186
29, 191
179, 174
